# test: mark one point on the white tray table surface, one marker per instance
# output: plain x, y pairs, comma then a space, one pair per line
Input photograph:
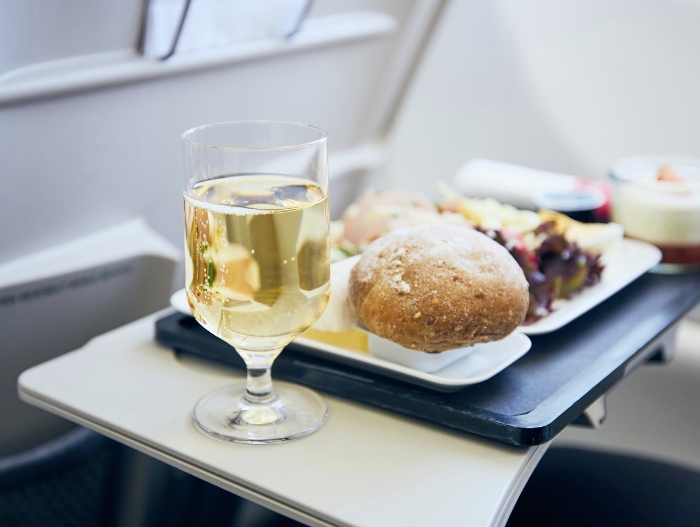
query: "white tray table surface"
364, 468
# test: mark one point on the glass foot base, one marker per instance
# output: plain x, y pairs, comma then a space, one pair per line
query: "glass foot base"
296, 412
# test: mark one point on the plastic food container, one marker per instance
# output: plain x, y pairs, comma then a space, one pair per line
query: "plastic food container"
418, 360
657, 200
581, 204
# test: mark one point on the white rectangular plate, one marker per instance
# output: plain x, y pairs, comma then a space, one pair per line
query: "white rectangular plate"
485, 361
628, 262
481, 364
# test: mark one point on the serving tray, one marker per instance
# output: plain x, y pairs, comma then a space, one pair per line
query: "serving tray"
526, 404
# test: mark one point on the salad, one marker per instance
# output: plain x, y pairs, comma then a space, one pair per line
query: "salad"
554, 251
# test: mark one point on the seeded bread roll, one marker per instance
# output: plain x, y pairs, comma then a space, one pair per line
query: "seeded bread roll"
438, 287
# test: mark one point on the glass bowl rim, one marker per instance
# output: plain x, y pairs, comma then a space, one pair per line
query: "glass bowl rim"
623, 164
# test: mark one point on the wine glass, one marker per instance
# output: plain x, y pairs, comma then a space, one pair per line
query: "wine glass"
257, 265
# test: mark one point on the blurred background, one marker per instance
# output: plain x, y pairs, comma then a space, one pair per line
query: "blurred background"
95, 94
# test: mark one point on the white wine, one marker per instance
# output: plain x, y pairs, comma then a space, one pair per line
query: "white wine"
258, 257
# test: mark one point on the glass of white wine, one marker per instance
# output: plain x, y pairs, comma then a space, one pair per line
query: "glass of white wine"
257, 265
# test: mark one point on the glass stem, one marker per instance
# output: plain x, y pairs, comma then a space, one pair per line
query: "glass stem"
258, 386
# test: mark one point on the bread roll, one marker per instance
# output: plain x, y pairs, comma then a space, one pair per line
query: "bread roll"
438, 287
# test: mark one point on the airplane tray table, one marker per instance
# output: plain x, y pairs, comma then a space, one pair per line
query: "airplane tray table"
529, 402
